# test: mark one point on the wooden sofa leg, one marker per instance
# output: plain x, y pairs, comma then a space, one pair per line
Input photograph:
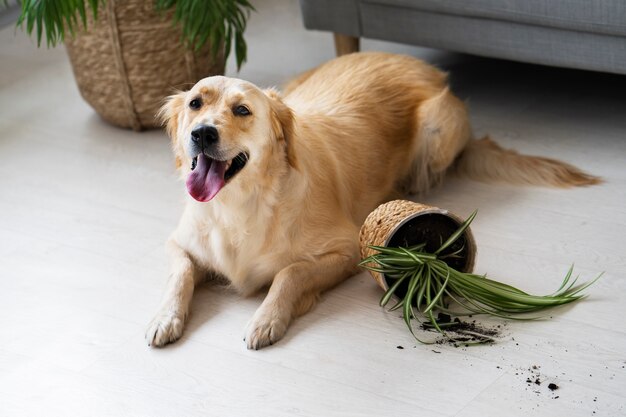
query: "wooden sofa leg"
345, 44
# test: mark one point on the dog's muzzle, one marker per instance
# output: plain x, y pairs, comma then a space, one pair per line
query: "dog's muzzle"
203, 137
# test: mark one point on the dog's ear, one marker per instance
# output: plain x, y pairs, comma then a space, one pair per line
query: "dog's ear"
169, 115
282, 124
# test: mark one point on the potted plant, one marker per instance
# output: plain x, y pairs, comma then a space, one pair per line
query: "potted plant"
128, 55
423, 257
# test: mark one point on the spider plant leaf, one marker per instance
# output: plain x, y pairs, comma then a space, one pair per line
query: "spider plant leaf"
417, 248
412, 255
398, 305
469, 308
433, 282
565, 280
387, 251
457, 233
437, 297
480, 281
429, 313
576, 290
375, 269
391, 290
455, 254
401, 253
368, 260
419, 257
570, 284
383, 262
400, 261
421, 291
406, 307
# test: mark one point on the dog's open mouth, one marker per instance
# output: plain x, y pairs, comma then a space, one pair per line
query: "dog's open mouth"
208, 176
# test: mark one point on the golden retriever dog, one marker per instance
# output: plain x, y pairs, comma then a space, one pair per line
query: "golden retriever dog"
278, 186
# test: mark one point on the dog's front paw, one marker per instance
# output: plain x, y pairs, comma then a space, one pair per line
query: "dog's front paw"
166, 327
265, 329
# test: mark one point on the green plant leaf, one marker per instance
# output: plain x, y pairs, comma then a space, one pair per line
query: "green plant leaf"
81, 12
52, 19
433, 281
219, 22
437, 297
390, 291
419, 297
458, 233
406, 313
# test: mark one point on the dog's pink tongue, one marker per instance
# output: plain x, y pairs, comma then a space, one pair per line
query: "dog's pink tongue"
207, 179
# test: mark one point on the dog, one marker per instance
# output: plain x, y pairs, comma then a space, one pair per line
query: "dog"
280, 185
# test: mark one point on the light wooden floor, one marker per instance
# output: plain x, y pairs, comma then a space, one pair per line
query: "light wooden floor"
85, 209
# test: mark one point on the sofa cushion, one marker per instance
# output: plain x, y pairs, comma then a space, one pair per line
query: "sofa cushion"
597, 16
341, 16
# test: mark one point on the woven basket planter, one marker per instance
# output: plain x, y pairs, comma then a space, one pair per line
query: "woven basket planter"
130, 59
402, 223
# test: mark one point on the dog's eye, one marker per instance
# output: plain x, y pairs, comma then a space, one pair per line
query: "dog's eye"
242, 111
195, 104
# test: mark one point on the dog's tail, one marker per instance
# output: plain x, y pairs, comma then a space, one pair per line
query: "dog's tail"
484, 160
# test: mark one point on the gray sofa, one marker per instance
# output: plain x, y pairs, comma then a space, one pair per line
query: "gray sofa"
584, 34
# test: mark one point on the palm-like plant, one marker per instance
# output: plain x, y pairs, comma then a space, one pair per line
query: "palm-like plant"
429, 284
221, 22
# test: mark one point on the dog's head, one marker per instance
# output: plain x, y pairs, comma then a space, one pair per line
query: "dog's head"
225, 130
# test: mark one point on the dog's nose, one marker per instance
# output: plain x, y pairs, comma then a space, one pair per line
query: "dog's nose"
204, 135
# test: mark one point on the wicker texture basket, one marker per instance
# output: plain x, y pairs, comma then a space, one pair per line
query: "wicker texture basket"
130, 59
381, 224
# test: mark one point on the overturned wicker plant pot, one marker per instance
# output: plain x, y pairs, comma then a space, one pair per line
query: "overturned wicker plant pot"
402, 223
131, 58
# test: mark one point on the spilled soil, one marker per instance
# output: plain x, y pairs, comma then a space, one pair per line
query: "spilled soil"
463, 333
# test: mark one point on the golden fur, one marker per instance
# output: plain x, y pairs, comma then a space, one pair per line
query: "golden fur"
345, 137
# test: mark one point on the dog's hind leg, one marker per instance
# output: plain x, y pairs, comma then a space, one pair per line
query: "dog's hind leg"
443, 130
167, 326
295, 291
